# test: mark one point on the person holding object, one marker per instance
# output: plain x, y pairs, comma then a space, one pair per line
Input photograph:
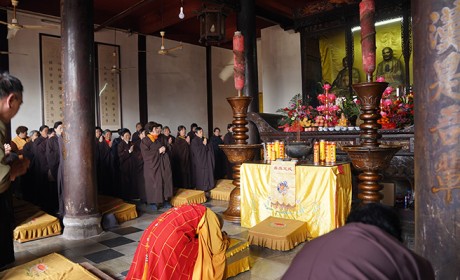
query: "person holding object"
10, 101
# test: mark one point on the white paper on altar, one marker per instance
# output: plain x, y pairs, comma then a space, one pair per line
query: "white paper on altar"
283, 184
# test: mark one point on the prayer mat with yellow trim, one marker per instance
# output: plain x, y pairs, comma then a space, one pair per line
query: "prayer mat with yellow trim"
186, 196
52, 266
222, 190
121, 210
238, 259
278, 233
32, 223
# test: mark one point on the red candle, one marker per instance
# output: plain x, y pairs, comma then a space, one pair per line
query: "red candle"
238, 61
366, 17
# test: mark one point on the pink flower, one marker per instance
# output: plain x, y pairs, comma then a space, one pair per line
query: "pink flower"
334, 108
331, 97
327, 87
381, 79
387, 102
387, 92
383, 114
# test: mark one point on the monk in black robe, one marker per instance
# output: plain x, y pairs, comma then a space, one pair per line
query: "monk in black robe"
157, 168
138, 166
228, 140
180, 160
28, 178
136, 135
41, 167
191, 133
53, 159
105, 164
126, 161
202, 162
219, 156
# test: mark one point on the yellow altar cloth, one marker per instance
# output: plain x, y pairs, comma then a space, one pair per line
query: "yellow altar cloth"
323, 196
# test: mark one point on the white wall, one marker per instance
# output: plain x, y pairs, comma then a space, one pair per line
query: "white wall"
176, 85
280, 52
223, 86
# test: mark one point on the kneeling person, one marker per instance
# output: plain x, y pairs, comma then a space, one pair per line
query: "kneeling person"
183, 243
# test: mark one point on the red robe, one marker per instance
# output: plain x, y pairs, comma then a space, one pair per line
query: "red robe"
168, 249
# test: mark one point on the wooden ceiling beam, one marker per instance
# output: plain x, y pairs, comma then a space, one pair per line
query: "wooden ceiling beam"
123, 14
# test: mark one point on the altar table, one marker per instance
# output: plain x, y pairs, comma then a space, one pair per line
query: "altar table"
323, 196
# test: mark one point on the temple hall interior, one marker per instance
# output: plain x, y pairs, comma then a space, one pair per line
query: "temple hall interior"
281, 117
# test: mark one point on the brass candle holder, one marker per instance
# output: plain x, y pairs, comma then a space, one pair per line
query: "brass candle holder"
238, 153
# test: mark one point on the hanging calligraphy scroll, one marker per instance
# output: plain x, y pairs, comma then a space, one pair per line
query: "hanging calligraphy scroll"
108, 83
51, 79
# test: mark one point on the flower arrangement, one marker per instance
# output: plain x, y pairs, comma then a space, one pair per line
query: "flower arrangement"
349, 106
396, 112
328, 109
297, 115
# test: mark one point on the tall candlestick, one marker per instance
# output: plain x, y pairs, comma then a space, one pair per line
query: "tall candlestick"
366, 17
238, 61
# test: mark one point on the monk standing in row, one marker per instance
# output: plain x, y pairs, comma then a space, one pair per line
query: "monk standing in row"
157, 168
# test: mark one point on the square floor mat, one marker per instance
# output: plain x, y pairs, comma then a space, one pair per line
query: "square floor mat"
126, 230
115, 242
103, 256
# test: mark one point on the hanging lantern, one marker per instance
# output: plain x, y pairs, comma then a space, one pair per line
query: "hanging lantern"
212, 25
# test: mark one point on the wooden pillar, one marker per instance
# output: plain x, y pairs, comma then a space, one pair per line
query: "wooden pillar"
82, 218
311, 67
142, 74
247, 26
209, 90
4, 59
437, 134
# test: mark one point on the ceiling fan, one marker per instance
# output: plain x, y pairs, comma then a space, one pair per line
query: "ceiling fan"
14, 26
163, 50
115, 68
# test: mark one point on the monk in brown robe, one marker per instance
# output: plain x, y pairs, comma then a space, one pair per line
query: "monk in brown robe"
368, 247
157, 168
180, 160
202, 162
